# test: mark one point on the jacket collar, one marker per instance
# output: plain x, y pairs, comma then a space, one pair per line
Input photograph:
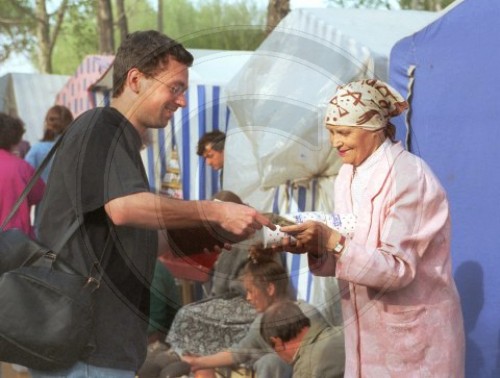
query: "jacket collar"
315, 330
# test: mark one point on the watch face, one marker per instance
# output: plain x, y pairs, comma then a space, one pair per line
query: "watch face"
340, 245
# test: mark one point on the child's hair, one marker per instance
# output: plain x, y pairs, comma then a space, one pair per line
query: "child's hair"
263, 269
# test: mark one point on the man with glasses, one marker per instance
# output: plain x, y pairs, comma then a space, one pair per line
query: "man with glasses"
99, 179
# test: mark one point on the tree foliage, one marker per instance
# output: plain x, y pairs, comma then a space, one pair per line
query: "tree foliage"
276, 11
215, 24
211, 24
428, 5
105, 27
78, 37
30, 27
17, 32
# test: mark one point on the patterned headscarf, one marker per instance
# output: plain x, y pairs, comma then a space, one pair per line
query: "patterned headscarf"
368, 104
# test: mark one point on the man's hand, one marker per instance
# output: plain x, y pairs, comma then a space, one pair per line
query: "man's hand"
240, 220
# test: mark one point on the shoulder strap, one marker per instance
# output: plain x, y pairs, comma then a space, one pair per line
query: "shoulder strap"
69, 232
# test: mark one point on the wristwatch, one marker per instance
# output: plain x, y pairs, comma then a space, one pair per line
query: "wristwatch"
340, 245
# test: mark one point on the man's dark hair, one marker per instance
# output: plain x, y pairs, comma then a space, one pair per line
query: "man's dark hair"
148, 51
11, 131
215, 138
283, 319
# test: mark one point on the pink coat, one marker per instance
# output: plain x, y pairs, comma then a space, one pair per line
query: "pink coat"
401, 309
15, 173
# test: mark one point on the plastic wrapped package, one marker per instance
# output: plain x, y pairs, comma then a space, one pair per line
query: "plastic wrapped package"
265, 237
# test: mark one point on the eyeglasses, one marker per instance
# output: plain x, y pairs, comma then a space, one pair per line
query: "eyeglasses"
175, 90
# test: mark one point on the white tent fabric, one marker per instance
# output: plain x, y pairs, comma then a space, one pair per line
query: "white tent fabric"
29, 96
277, 155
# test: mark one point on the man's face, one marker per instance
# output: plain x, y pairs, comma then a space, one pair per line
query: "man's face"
213, 158
160, 96
286, 351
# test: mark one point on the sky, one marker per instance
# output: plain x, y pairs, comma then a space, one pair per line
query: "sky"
19, 63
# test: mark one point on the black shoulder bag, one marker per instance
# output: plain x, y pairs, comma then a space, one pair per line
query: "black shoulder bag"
45, 305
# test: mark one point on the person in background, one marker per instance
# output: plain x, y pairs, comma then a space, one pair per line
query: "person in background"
165, 301
224, 306
400, 305
211, 148
98, 179
213, 323
266, 281
224, 291
21, 149
15, 174
57, 118
225, 280
314, 350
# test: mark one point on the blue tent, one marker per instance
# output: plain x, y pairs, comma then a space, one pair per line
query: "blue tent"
449, 72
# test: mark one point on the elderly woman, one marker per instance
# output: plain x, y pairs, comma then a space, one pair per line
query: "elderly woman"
400, 306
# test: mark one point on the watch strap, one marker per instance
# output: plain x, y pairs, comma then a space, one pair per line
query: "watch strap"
339, 247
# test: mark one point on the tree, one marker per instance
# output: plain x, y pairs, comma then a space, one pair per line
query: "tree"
21, 21
160, 15
122, 19
428, 5
78, 37
105, 27
14, 29
276, 11
139, 15
215, 24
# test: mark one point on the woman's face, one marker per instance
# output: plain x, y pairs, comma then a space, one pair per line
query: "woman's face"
53, 121
258, 298
354, 145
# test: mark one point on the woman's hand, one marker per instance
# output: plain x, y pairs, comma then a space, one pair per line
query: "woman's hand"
310, 237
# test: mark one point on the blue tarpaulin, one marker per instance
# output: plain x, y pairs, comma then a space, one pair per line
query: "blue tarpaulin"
450, 73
